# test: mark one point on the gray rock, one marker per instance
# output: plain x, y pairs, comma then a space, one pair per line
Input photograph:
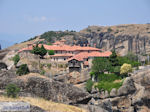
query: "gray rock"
43, 87
92, 101
106, 104
128, 87
93, 108
36, 109
113, 92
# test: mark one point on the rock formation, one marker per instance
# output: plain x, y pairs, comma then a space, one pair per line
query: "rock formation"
41, 86
132, 96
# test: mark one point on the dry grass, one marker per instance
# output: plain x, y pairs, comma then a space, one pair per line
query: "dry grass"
22, 45
44, 104
124, 29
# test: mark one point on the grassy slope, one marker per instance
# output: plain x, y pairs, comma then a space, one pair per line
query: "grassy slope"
127, 29
44, 104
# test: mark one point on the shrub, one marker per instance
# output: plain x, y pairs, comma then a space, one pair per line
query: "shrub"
108, 86
42, 72
60, 65
125, 69
116, 69
22, 70
41, 65
109, 30
49, 65
89, 85
51, 52
108, 77
16, 59
12, 90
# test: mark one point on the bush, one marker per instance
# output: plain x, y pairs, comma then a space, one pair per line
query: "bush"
51, 52
108, 77
109, 30
12, 90
49, 65
42, 72
16, 59
60, 65
116, 70
108, 86
89, 85
125, 69
22, 70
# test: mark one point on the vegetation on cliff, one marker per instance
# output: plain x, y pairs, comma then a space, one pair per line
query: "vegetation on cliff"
105, 71
12, 90
16, 59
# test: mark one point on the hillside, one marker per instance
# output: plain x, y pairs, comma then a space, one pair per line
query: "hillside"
124, 38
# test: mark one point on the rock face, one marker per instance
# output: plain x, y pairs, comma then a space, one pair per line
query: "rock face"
133, 96
41, 86
124, 38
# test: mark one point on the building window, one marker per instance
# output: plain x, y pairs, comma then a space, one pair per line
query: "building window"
64, 58
87, 59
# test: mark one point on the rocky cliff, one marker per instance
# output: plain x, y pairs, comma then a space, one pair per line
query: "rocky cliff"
124, 38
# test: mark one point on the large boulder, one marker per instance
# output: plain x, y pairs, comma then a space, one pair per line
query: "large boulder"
128, 87
6, 77
44, 87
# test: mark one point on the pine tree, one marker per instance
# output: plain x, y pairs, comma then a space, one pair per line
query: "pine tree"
113, 59
42, 52
39, 50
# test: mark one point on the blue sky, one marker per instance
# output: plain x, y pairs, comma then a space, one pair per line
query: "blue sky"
23, 19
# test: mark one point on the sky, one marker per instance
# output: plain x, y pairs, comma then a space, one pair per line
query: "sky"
23, 19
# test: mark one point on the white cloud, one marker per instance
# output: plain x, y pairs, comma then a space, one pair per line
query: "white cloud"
38, 18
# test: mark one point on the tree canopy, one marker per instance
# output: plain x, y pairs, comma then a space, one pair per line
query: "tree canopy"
39, 50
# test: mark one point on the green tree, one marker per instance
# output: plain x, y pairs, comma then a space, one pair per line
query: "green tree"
42, 52
39, 50
100, 65
51, 52
36, 49
89, 85
16, 59
113, 59
22, 70
12, 90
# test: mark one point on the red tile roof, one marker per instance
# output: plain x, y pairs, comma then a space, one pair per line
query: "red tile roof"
83, 55
62, 55
64, 48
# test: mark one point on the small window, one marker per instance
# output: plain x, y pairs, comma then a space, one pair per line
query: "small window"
64, 58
